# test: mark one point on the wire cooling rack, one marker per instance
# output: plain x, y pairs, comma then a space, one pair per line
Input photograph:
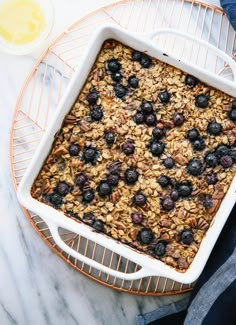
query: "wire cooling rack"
50, 77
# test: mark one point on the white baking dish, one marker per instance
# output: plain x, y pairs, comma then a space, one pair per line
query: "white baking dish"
55, 219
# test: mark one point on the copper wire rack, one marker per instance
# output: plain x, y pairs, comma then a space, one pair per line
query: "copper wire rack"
49, 79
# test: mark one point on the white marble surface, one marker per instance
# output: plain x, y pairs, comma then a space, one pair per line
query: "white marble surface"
36, 286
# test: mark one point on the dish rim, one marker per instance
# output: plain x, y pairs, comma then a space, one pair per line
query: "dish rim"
51, 215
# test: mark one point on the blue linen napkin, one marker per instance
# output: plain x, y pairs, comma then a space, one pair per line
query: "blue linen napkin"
229, 7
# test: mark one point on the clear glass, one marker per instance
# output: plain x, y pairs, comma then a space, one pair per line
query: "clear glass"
19, 49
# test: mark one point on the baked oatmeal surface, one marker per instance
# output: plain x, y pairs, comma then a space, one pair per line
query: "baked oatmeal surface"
145, 155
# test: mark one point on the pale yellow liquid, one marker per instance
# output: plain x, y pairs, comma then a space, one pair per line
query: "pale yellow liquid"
21, 21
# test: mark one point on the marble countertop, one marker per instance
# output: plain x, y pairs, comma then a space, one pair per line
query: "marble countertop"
36, 286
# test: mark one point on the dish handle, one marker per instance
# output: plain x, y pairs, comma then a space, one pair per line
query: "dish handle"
220, 53
143, 272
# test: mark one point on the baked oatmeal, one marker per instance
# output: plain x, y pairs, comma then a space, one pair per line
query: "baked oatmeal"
145, 155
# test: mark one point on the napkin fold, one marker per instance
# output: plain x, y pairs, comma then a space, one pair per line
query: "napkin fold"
213, 299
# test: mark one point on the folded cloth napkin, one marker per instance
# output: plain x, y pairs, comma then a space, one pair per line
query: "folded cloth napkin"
229, 7
213, 299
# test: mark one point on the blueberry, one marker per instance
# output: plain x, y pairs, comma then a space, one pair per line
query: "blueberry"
158, 133
156, 148
178, 119
81, 180
226, 161
88, 218
116, 76
96, 113
184, 189
222, 150
160, 249
146, 107
113, 65
194, 167
145, 61
120, 90
191, 81
169, 162
139, 199
114, 168
211, 179
207, 202
128, 148
211, 160
131, 176
73, 214
110, 138
88, 196
214, 128
174, 195
145, 236
186, 236
62, 188
104, 189
113, 179
92, 96
193, 134
56, 199
164, 181
90, 154
151, 119
98, 225
139, 118
74, 149
232, 114
199, 144
137, 217
133, 82
202, 101
164, 97
167, 204
136, 56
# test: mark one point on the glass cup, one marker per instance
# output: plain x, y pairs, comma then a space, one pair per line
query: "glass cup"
47, 9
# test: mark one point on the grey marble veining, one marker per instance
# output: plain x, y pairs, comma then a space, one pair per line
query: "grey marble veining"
36, 286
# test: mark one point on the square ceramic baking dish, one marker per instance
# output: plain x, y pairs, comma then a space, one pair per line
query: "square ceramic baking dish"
55, 219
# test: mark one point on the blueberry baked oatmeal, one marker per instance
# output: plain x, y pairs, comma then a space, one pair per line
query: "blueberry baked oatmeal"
145, 155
